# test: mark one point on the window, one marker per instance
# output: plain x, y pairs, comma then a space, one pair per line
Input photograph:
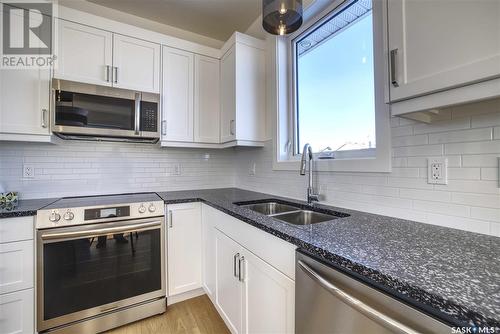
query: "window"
330, 78
334, 82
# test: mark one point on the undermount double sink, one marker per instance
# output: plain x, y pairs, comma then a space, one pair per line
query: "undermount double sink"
291, 213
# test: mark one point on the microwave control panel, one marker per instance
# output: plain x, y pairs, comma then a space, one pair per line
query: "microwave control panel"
149, 116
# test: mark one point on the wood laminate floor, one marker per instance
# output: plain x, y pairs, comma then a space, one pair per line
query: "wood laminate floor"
193, 316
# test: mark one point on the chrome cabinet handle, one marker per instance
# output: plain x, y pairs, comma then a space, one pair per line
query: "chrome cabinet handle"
235, 258
44, 118
164, 128
115, 74
170, 223
377, 316
394, 80
106, 73
102, 231
137, 112
241, 274
231, 127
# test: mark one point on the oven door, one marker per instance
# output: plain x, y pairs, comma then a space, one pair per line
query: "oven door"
88, 270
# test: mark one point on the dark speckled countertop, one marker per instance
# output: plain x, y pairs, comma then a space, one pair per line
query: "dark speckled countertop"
450, 274
25, 207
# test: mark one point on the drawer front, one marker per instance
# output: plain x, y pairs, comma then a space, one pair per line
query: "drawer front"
17, 312
16, 229
16, 266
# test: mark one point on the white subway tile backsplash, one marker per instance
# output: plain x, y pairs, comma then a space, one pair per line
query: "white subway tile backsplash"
442, 126
486, 214
480, 160
485, 120
496, 134
415, 151
461, 136
473, 147
410, 140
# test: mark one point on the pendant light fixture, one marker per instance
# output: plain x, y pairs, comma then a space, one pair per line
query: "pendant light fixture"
281, 17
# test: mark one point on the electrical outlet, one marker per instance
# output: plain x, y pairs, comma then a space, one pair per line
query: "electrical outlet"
177, 170
437, 171
252, 169
28, 172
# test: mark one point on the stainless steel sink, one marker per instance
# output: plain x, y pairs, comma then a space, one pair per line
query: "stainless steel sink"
305, 217
270, 208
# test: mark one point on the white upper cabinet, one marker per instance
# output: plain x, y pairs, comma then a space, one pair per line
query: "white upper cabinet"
441, 45
178, 95
136, 64
99, 57
25, 105
243, 85
184, 247
85, 54
206, 99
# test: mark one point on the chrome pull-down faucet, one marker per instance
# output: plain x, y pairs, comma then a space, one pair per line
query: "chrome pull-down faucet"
307, 153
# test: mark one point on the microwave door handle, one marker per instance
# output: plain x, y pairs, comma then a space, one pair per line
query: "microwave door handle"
137, 113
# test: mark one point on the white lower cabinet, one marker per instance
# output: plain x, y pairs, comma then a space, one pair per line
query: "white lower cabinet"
229, 298
208, 218
17, 312
17, 264
268, 298
183, 248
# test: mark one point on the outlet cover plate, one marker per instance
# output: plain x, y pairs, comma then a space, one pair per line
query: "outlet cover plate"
437, 170
28, 172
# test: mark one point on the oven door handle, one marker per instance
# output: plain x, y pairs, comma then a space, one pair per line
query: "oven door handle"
101, 231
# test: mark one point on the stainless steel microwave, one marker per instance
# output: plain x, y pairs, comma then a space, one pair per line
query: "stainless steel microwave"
91, 112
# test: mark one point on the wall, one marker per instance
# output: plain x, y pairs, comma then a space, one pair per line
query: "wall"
89, 168
468, 135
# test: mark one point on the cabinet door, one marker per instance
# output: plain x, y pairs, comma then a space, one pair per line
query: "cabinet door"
177, 95
17, 312
136, 64
268, 302
209, 218
16, 266
228, 96
229, 295
85, 54
24, 102
184, 248
206, 100
458, 44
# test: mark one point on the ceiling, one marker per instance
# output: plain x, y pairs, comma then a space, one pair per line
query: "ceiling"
212, 18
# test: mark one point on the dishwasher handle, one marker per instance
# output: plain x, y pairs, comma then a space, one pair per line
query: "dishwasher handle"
357, 304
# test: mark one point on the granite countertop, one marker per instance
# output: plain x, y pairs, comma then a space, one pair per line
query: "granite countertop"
450, 274
24, 207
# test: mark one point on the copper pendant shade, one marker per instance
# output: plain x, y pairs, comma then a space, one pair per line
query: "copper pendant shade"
281, 17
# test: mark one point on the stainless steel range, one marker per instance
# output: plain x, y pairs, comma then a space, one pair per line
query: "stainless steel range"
100, 262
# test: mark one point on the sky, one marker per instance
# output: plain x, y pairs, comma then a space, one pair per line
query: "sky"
336, 91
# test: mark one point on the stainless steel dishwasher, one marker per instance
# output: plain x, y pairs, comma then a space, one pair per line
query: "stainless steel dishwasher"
328, 301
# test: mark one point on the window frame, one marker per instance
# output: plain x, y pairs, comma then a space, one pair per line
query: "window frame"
285, 141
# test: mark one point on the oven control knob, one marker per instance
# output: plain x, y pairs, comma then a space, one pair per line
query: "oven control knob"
54, 217
152, 208
142, 208
69, 215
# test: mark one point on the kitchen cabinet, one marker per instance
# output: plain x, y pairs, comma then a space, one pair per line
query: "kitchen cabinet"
452, 58
268, 298
25, 105
208, 219
85, 54
178, 95
95, 56
184, 248
17, 263
136, 64
229, 298
206, 99
17, 312
252, 296
243, 90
